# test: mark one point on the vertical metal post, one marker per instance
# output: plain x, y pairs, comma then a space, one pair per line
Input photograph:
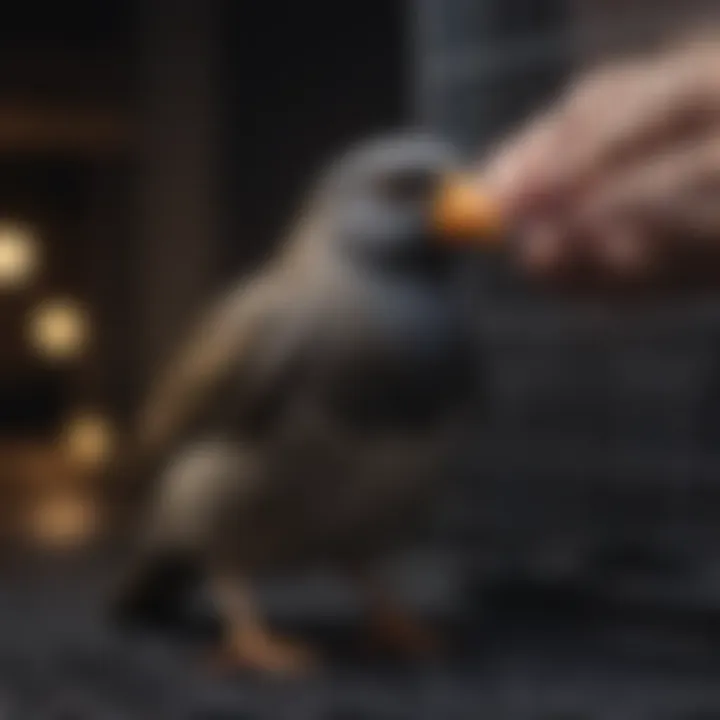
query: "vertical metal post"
180, 244
110, 225
482, 67
482, 63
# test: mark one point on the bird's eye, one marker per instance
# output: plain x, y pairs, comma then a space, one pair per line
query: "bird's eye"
407, 187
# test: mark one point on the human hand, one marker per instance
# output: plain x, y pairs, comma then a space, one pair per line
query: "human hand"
620, 180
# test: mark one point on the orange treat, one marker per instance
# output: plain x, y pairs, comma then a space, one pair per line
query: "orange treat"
464, 213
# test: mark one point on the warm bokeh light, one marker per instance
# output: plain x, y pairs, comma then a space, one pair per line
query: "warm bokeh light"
63, 521
89, 439
59, 329
19, 256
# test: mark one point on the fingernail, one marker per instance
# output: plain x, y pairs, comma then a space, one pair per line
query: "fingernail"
623, 251
518, 178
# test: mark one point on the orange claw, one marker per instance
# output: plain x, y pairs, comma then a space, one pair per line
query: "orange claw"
463, 213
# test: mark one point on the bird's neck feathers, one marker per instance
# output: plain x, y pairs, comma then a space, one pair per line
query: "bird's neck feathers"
307, 246
311, 254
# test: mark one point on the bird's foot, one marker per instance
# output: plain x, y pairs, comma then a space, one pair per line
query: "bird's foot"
391, 630
264, 653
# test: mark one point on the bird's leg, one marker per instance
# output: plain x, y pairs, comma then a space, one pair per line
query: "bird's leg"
249, 644
393, 628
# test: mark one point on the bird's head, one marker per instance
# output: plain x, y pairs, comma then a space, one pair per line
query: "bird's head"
378, 202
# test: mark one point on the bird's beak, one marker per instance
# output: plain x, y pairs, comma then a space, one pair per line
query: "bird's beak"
465, 214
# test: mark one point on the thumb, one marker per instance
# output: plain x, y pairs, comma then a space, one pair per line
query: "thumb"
519, 172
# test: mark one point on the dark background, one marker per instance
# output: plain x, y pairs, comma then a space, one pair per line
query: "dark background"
162, 148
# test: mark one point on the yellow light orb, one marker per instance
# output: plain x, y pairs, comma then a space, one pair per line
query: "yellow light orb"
59, 329
63, 521
19, 256
89, 439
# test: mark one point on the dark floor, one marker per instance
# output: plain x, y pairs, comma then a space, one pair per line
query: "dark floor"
524, 656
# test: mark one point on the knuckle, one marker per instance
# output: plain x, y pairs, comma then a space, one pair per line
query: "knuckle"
603, 83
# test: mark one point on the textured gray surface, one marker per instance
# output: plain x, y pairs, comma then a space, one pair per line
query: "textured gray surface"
521, 653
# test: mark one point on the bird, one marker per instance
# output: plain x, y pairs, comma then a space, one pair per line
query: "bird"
310, 417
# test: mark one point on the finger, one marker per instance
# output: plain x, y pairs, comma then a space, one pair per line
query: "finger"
647, 192
581, 259
510, 172
692, 224
530, 172
627, 112
557, 254
607, 119
543, 249
622, 252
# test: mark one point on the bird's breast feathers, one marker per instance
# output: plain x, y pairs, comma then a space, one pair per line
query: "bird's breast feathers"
395, 363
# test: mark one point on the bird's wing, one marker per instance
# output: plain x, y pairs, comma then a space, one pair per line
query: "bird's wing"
245, 344
239, 342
